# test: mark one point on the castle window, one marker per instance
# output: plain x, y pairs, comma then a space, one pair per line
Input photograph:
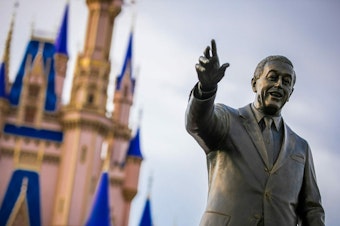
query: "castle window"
125, 91
83, 154
33, 90
30, 112
90, 98
94, 73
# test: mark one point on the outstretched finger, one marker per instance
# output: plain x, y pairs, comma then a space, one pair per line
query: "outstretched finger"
207, 52
213, 48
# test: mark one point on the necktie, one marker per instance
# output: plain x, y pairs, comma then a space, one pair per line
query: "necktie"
268, 138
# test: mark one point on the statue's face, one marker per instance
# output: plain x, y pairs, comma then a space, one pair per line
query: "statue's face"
274, 87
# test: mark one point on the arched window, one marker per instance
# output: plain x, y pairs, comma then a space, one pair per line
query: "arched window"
30, 112
33, 91
90, 98
125, 91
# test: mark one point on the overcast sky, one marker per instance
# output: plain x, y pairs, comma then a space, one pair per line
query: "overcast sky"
170, 35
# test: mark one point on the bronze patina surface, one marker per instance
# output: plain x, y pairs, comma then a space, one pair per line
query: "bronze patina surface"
260, 171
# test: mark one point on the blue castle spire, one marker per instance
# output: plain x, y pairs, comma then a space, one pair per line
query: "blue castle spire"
23, 183
61, 40
146, 219
134, 147
100, 213
32, 50
3, 93
127, 66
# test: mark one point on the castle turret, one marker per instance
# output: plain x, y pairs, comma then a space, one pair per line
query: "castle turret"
61, 57
6, 56
123, 99
133, 162
4, 77
125, 85
91, 77
85, 124
31, 134
33, 93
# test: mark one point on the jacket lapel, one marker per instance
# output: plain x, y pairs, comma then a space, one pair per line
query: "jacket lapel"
254, 132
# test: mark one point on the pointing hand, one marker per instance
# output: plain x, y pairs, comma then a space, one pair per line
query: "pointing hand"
209, 70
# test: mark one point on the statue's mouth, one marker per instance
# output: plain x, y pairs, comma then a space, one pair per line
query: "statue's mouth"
276, 94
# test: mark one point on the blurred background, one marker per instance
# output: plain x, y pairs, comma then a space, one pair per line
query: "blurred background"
169, 36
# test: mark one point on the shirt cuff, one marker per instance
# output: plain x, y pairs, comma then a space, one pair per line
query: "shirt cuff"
203, 94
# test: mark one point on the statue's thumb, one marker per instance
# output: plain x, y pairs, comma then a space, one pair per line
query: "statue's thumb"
223, 68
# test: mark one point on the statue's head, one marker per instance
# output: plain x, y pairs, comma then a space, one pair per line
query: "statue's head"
273, 83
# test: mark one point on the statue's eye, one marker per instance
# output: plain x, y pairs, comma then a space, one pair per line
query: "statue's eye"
272, 76
286, 81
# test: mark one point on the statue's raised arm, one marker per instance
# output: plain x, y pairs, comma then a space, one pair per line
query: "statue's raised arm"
208, 68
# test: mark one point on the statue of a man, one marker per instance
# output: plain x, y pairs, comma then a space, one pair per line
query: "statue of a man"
260, 171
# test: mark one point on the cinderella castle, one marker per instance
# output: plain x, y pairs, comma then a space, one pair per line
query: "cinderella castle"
69, 164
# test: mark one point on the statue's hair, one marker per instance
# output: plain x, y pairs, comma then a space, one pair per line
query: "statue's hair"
259, 69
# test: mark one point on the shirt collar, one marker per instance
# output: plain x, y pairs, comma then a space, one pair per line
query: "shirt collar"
259, 116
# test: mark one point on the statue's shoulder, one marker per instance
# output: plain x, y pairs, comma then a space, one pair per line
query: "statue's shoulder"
246, 111
226, 107
219, 107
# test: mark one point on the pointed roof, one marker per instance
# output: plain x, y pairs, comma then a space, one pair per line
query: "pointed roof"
2, 81
134, 147
31, 52
100, 213
6, 56
23, 187
61, 40
127, 66
146, 219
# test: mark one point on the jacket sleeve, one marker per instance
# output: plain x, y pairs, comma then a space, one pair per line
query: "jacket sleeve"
310, 208
205, 121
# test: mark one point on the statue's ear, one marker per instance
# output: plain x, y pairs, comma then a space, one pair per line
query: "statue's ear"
253, 84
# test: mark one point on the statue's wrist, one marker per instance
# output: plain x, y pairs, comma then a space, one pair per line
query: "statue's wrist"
207, 88
204, 94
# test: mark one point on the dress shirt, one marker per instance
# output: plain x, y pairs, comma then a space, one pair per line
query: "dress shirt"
277, 130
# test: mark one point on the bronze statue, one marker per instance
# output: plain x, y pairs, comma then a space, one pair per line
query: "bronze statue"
260, 172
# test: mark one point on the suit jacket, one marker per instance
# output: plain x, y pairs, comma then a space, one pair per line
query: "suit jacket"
243, 189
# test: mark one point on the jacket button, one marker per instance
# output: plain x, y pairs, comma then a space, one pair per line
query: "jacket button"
267, 170
257, 216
